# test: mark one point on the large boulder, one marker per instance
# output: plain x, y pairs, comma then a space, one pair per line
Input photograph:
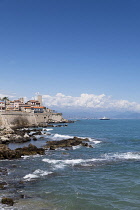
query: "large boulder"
75, 141
30, 150
8, 201
6, 153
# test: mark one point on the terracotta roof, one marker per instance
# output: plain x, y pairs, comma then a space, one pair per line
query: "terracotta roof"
38, 107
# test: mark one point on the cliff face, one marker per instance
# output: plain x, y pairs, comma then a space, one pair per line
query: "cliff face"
23, 119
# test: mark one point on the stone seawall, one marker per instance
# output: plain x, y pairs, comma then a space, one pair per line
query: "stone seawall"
17, 118
48, 117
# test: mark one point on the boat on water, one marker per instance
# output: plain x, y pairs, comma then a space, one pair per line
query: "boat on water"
104, 118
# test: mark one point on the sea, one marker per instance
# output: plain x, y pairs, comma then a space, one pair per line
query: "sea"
104, 177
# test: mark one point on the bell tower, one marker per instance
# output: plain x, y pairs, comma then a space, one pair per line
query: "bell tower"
39, 98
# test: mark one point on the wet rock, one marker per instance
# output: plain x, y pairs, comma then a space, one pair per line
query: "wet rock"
3, 171
50, 126
8, 201
14, 166
2, 185
34, 138
52, 145
65, 153
61, 125
6, 153
22, 196
68, 121
38, 133
30, 150
19, 139
85, 144
20, 132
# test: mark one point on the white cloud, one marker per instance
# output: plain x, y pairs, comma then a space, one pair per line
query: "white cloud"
98, 102
2, 95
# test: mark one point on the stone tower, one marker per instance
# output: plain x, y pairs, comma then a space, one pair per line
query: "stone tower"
39, 98
22, 100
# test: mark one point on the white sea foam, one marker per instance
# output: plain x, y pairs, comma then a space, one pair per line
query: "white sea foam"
70, 161
46, 133
57, 137
76, 147
32, 132
60, 149
25, 129
25, 157
36, 174
42, 173
123, 156
49, 129
95, 141
30, 156
52, 161
28, 177
61, 137
57, 164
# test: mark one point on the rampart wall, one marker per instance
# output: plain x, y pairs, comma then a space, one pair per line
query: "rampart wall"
17, 118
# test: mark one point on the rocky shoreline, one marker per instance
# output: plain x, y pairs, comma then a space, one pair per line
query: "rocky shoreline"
25, 135
20, 135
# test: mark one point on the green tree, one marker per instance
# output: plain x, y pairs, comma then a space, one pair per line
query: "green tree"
5, 99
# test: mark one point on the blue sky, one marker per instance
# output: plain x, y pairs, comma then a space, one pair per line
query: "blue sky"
71, 47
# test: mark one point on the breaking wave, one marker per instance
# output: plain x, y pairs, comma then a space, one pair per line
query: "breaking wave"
123, 156
76, 147
36, 174
61, 137
31, 156
47, 129
62, 163
107, 158
95, 141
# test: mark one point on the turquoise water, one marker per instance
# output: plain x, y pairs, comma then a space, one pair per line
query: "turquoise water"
103, 177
